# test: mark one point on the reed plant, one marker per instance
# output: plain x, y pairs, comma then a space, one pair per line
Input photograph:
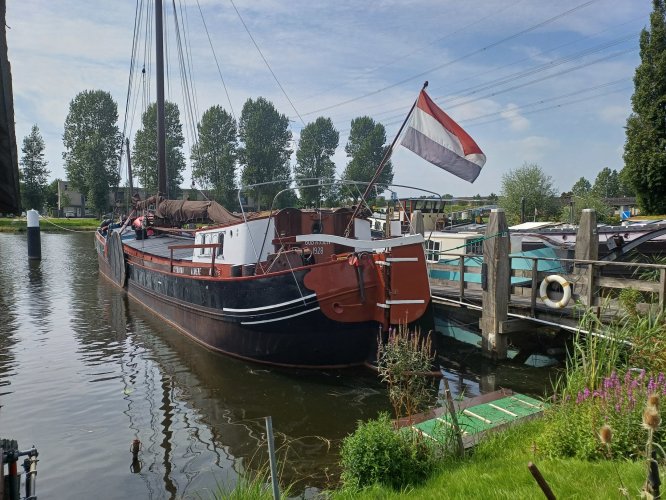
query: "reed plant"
404, 362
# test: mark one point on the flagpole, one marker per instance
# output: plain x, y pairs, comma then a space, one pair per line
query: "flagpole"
380, 168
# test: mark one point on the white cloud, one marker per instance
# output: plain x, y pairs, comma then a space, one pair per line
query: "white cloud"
615, 115
516, 120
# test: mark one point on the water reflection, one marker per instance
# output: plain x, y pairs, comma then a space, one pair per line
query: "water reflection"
8, 324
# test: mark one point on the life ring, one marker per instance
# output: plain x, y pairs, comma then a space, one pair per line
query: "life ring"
566, 288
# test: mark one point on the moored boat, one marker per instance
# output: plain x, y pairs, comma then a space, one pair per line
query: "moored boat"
307, 296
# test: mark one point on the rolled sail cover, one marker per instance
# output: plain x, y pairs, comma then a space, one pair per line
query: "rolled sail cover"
179, 211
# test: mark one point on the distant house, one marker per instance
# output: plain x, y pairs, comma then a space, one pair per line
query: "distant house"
71, 203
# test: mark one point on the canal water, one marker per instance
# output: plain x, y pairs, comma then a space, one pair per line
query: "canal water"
84, 371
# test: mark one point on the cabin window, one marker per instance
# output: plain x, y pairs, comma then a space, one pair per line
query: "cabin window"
220, 243
202, 242
316, 227
432, 250
475, 246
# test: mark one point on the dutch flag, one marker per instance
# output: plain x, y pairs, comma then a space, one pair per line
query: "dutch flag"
436, 138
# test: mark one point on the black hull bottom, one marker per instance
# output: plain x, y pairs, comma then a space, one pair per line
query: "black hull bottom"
297, 335
307, 341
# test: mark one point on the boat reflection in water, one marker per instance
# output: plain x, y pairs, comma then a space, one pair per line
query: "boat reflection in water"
200, 415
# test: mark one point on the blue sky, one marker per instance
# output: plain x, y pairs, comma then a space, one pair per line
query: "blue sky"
530, 80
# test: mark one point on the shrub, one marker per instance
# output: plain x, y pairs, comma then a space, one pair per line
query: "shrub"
377, 453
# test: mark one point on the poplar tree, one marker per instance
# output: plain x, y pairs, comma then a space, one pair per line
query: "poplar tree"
645, 148
144, 161
214, 155
92, 145
264, 152
365, 150
317, 145
33, 170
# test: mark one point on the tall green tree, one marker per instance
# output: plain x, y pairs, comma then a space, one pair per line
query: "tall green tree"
572, 211
144, 152
366, 148
214, 155
317, 145
607, 183
581, 187
33, 170
531, 183
645, 147
51, 196
92, 145
264, 152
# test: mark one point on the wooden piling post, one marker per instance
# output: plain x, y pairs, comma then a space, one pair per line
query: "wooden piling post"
587, 248
587, 238
497, 271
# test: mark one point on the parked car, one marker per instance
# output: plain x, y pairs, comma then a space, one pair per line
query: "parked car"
70, 213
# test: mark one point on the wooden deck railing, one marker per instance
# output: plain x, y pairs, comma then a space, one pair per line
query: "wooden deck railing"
593, 282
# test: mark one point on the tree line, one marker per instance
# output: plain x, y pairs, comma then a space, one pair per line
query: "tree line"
256, 149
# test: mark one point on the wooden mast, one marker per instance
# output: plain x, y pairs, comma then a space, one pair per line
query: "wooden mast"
129, 168
161, 130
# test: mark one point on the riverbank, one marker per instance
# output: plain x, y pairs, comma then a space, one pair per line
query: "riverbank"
49, 224
497, 468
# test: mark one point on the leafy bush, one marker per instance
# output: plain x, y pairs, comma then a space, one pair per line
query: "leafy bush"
571, 428
377, 453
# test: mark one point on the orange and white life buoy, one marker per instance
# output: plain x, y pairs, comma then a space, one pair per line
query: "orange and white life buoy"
566, 288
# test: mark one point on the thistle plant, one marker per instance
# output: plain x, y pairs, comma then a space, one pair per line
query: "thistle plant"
606, 436
651, 422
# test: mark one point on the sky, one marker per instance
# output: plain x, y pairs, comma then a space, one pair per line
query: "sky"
532, 81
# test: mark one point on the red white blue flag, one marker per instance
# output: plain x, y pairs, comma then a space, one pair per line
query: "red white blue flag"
436, 138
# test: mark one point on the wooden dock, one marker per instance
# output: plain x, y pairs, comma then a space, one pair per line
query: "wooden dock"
513, 298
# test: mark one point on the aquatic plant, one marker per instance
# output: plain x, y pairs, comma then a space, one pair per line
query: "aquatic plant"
404, 361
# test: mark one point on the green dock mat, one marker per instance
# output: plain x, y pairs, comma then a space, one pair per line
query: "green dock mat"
482, 417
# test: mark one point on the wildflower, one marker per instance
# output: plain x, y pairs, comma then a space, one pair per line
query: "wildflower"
605, 434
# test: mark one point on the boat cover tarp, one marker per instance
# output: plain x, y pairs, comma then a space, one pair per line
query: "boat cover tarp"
178, 211
183, 211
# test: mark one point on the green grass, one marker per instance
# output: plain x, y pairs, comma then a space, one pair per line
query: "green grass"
19, 224
498, 469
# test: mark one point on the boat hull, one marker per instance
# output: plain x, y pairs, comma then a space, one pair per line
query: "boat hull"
275, 319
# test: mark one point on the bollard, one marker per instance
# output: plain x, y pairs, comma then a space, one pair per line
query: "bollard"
34, 243
271, 458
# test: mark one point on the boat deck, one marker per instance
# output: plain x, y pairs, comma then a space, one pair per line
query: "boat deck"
159, 246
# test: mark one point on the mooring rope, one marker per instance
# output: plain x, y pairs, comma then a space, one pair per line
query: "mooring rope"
47, 219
